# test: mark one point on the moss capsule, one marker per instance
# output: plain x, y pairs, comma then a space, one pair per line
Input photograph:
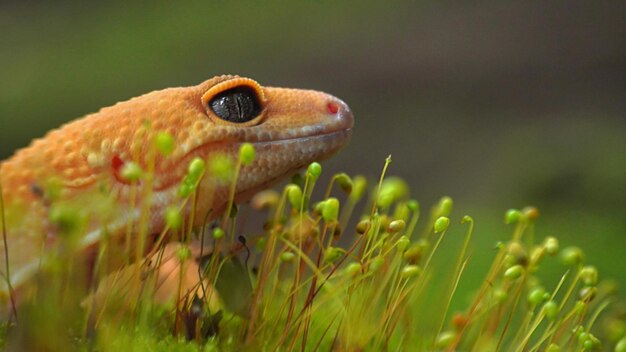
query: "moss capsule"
173, 218
589, 275
376, 263
353, 269
402, 243
218, 233
318, 208
460, 321
164, 143
410, 271
531, 213
131, 172
518, 253
183, 253
362, 226
444, 207
330, 210
536, 296
445, 339
552, 245
587, 293
345, 182
261, 243
391, 190
265, 200
514, 272
314, 171
66, 219
287, 257
294, 195
247, 153
222, 167
572, 256
512, 216
196, 169
551, 309
441, 224
186, 189
413, 254
396, 226
333, 254
500, 295
359, 185
553, 347
402, 212
413, 205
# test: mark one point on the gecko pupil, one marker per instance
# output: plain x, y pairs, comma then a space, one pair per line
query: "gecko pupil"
237, 105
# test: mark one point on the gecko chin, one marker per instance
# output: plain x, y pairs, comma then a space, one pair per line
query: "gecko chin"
279, 159
315, 145
293, 154
311, 149
275, 160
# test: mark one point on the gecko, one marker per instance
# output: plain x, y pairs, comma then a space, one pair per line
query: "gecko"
83, 159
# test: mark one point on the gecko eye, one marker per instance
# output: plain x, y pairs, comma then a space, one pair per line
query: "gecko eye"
238, 105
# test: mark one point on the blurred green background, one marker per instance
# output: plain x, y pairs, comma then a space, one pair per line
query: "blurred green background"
497, 105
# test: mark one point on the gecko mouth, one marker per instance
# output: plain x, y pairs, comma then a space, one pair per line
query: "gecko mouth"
344, 134
314, 148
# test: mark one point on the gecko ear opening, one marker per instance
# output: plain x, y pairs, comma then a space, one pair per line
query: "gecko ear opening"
238, 101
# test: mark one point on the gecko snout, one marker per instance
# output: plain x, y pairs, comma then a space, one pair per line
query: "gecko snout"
341, 114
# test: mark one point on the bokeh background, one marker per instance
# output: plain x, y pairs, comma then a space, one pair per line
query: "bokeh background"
497, 105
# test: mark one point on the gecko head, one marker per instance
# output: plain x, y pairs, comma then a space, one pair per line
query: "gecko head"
313, 125
289, 128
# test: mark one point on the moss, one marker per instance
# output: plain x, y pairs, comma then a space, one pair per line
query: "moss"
311, 278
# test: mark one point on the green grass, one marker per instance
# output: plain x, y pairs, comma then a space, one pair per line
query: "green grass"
359, 267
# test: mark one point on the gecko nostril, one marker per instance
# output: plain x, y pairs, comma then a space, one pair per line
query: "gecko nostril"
333, 108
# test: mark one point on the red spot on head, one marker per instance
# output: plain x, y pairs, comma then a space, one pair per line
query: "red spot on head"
117, 163
332, 107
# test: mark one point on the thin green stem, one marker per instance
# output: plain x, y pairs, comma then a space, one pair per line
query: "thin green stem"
6, 254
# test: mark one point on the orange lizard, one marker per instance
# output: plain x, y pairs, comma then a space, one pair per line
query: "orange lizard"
289, 129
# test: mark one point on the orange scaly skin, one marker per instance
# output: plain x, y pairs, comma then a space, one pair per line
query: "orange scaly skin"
83, 159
